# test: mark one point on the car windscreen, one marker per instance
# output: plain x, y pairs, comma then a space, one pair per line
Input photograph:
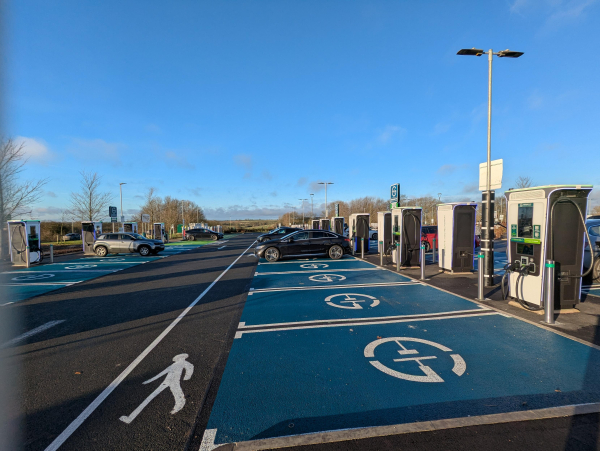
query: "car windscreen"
595, 230
137, 236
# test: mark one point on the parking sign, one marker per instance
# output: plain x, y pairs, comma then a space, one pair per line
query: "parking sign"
395, 192
112, 212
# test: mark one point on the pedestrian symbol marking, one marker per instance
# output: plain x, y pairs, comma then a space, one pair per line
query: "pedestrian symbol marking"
314, 266
327, 278
350, 301
34, 277
80, 266
172, 381
429, 375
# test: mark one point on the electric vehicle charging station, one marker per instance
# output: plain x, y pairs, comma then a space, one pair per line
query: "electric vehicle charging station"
325, 224
159, 231
406, 233
130, 227
90, 231
456, 235
21, 234
546, 223
338, 225
359, 228
315, 224
384, 230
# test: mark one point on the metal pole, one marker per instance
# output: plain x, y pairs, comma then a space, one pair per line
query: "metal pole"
549, 293
121, 196
381, 253
362, 247
434, 257
489, 248
353, 245
326, 211
52, 253
422, 262
480, 268
27, 263
398, 257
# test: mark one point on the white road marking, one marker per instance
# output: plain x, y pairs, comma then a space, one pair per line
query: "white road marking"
33, 276
172, 381
38, 284
328, 287
32, 332
327, 278
345, 259
351, 302
223, 247
8, 303
307, 271
58, 441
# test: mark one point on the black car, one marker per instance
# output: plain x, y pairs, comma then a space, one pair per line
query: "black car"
305, 243
276, 233
202, 234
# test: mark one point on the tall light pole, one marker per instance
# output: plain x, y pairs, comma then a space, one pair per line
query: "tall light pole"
121, 195
312, 214
487, 216
182, 220
302, 211
326, 210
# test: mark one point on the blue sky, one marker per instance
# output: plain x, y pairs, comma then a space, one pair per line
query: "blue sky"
243, 106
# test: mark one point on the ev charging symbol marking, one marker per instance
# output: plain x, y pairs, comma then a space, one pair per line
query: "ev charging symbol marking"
327, 278
314, 265
80, 266
34, 277
354, 303
429, 375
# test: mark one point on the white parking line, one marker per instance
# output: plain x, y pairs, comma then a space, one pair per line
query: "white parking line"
325, 287
58, 441
31, 333
305, 271
316, 260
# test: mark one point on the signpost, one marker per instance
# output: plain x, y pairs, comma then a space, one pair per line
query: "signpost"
145, 218
395, 195
112, 212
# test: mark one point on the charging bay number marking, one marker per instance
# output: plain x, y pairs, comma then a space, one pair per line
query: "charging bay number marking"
429, 375
34, 277
327, 278
351, 301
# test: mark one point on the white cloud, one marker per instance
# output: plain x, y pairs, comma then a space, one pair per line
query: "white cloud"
97, 150
243, 160
557, 13
450, 168
35, 150
245, 212
302, 181
51, 194
386, 135
177, 160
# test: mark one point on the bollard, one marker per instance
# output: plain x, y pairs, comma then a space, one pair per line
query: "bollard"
27, 257
398, 257
353, 245
362, 248
381, 253
480, 277
434, 251
52, 253
422, 262
549, 292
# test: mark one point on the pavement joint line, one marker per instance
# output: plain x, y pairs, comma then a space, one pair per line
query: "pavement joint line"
32, 332
342, 435
325, 287
375, 319
315, 271
64, 435
503, 313
404, 319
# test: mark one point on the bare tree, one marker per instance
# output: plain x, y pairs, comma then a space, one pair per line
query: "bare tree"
524, 182
89, 203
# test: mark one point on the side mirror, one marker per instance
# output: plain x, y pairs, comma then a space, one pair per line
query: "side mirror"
289, 240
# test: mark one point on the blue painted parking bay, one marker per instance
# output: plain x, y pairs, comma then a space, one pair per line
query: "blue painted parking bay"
317, 359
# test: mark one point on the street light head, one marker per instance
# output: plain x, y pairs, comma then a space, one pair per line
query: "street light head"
472, 52
509, 54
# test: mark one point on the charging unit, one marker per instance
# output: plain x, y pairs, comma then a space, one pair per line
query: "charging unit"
456, 236
159, 232
546, 223
21, 234
337, 225
90, 231
406, 232
325, 224
359, 228
130, 227
315, 224
384, 230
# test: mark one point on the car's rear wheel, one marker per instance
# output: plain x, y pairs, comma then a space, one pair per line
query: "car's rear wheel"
427, 245
214, 237
272, 254
101, 251
144, 251
190, 237
336, 252
596, 270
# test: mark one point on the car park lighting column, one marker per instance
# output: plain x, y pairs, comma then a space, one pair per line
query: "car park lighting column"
326, 183
487, 220
121, 196
302, 211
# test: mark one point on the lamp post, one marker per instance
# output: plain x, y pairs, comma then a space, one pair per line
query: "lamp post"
487, 216
326, 183
121, 195
302, 211
312, 215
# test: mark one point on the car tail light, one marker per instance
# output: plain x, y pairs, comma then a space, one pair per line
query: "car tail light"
347, 239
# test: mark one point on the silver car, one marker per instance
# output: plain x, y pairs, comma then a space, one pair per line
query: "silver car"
122, 243
593, 227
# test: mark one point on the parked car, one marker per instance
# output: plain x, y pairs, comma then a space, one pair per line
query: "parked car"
122, 243
304, 243
428, 233
202, 234
593, 226
71, 237
279, 232
373, 235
